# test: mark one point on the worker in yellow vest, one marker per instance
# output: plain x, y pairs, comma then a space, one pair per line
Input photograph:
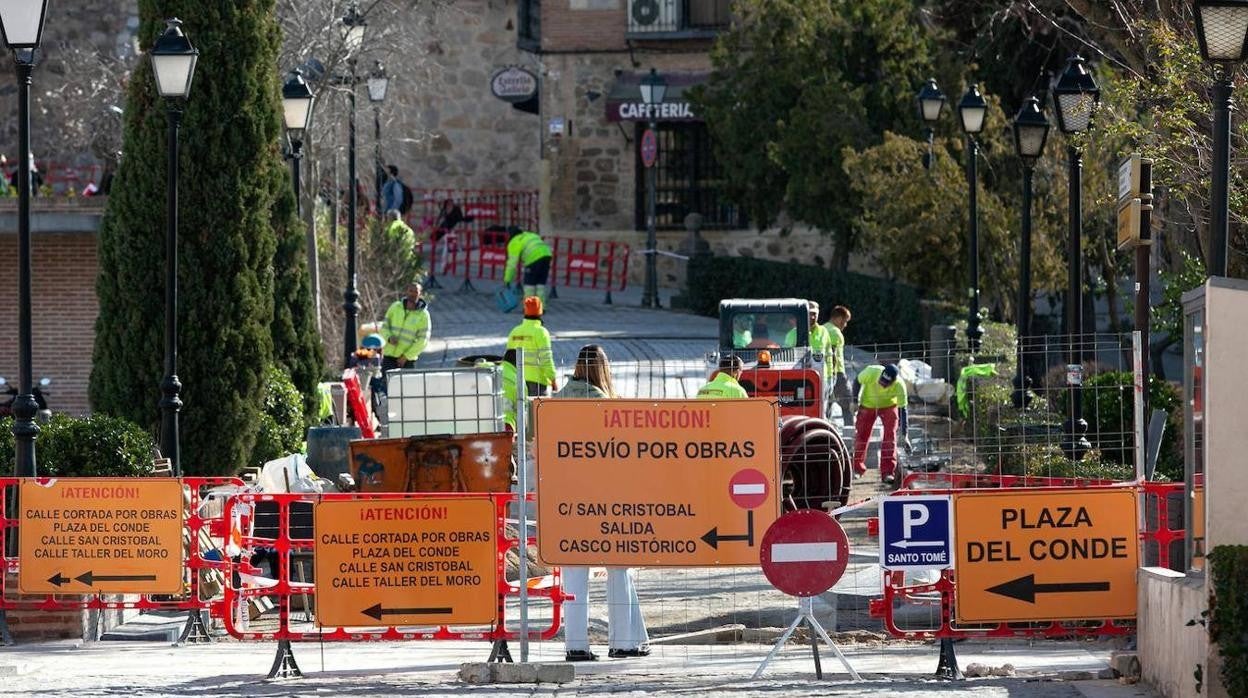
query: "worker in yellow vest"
529, 250
880, 394
723, 384
838, 318
406, 329
534, 340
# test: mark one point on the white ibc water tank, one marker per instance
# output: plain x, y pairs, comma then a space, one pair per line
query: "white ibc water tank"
426, 402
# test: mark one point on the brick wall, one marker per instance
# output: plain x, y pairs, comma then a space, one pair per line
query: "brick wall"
34, 625
64, 309
584, 25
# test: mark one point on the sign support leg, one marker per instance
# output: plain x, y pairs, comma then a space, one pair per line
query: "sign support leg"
947, 668
500, 653
814, 649
196, 629
5, 637
805, 612
284, 664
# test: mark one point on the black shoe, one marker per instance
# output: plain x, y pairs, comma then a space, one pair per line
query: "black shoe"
582, 656
621, 654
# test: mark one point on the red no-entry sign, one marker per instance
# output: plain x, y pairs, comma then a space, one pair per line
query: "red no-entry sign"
804, 553
748, 488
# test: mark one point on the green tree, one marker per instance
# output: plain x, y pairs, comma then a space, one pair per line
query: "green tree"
242, 286
796, 82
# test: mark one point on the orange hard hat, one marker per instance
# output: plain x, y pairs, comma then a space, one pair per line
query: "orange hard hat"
532, 306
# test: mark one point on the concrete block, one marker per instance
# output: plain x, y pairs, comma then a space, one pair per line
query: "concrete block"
1125, 664
475, 672
519, 672
558, 672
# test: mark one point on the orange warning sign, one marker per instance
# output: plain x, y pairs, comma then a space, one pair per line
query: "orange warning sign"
1047, 555
405, 562
654, 483
100, 535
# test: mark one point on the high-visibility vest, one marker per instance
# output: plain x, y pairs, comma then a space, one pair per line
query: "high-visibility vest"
406, 331
539, 361
509, 394
836, 347
721, 387
527, 248
875, 396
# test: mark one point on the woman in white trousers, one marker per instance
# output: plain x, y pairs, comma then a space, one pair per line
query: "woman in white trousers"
626, 636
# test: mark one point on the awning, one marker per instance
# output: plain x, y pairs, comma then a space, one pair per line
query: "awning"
624, 101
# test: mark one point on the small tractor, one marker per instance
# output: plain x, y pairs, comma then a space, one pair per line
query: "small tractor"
772, 338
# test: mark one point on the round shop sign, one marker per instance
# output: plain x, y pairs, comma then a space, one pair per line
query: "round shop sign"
514, 84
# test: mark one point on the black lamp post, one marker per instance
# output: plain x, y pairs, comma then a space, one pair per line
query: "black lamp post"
653, 89
297, 114
173, 62
378, 83
1221, 28
972, 112
1075, 95
22, 24
931, 103
1031, 129
353, 26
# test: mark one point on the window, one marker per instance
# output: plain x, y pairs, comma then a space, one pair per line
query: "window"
678, 18
529, 25
688, 180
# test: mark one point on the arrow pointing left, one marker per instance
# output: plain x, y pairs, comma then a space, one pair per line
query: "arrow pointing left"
376, 612
58, 579
904, 544
89, 578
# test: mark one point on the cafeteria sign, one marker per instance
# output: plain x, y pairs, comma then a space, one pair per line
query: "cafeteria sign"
514, 84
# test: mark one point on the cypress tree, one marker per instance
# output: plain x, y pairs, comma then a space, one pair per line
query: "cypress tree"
240, 287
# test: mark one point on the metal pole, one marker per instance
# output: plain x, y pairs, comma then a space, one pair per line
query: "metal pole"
1219, 203
379, 171
1074, 299
24, 407
351, 297
651, 297
171, 404
522, 508
973, 331
1024, 289
1143, 266
296, 154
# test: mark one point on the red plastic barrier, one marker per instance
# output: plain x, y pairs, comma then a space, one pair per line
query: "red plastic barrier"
64, 179
196, 562
941, 592
283, 588
356, 405
593, 264
456, 243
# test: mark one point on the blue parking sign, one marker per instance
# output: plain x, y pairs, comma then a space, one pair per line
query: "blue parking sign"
916, 532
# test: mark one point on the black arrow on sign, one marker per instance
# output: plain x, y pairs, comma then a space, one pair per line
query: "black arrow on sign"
58, 580
713, 537
376, 611
89, 578
1025, 588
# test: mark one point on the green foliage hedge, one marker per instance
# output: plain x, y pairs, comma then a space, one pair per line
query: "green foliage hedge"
1229, 615
94, 446
282, 424
883, 311
1109, 409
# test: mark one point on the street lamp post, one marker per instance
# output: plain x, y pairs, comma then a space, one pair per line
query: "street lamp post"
1221, 29
1031, 129
653, 89
1075, 95
931, 104
22, 25
173, 62
353, 26
378, 83
297, 114
972, 111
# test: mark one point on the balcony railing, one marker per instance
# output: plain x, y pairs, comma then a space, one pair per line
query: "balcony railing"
677, 18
